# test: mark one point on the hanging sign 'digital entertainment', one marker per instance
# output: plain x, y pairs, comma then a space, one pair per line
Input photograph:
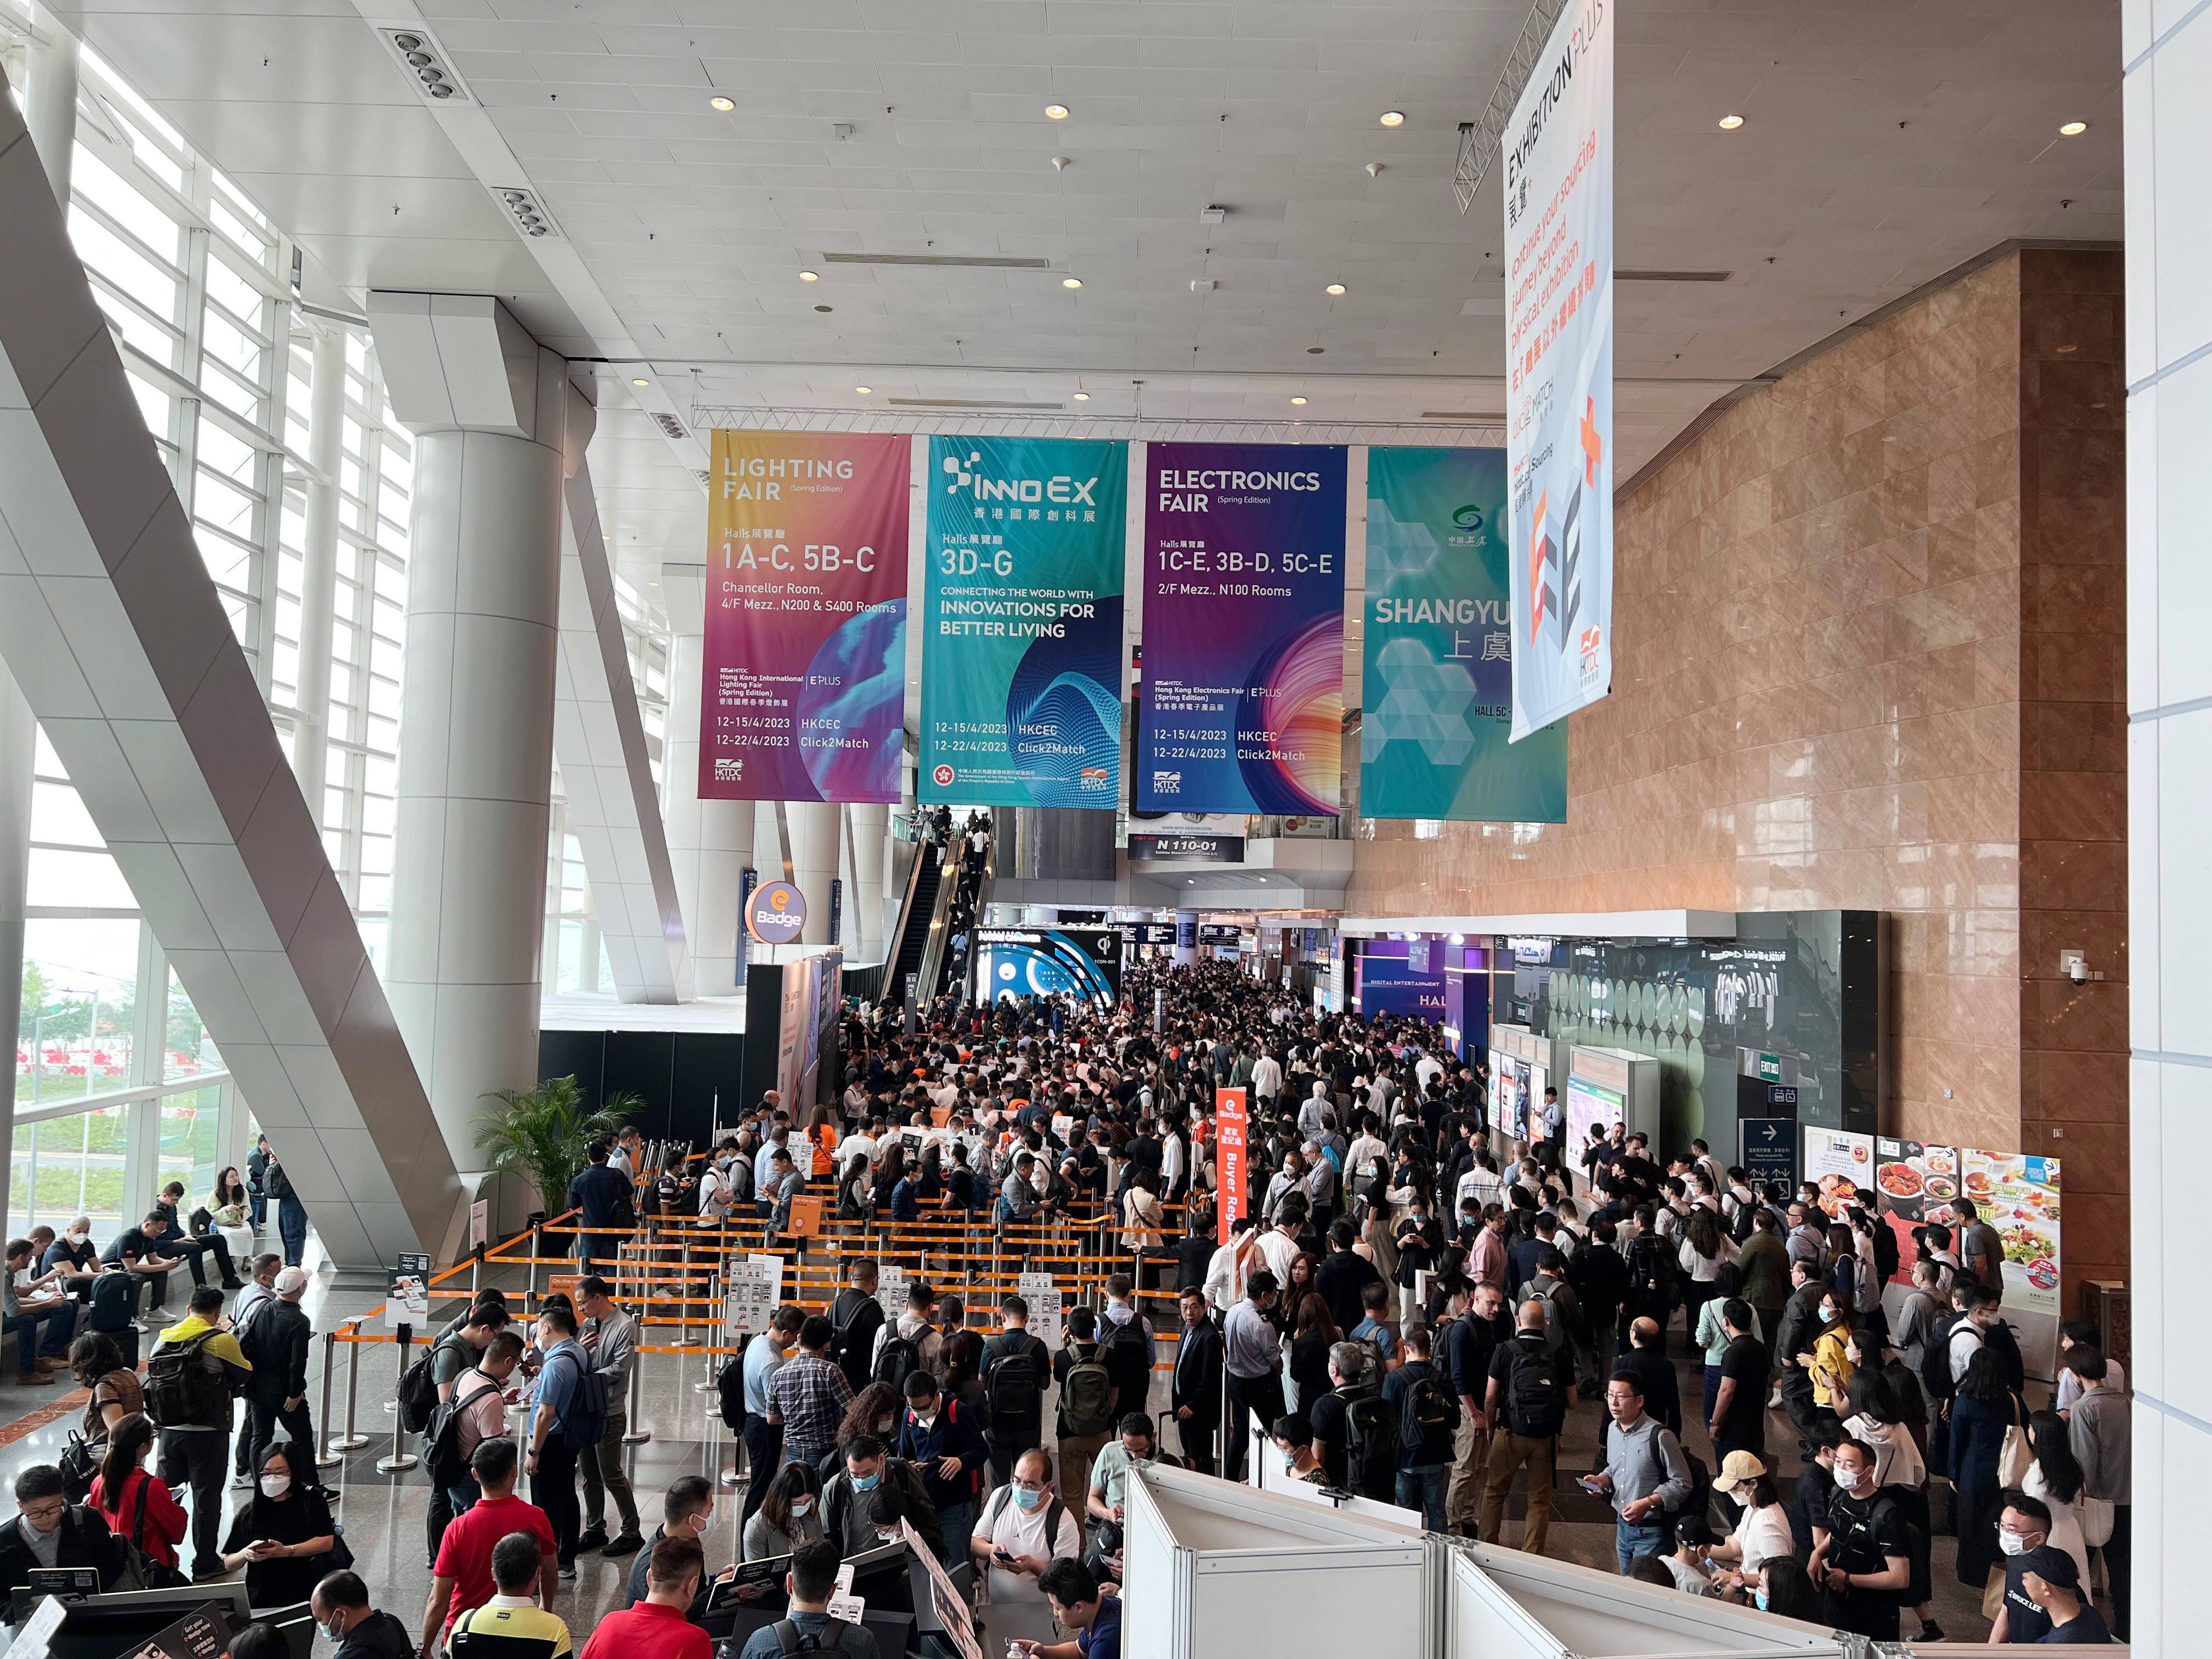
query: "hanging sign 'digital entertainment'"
802, 694
1243, 688
1558, 151
1021, 655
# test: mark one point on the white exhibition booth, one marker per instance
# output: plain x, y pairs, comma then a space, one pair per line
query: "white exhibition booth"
1213, 1568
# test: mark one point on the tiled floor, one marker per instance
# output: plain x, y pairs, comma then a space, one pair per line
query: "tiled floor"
383, 1515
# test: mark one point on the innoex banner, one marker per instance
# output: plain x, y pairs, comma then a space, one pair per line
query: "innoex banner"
1558, 370
1021, 656
1243, 689
1438, 649
803, 695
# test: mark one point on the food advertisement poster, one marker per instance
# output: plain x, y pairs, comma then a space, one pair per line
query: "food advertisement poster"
1913, 1182
1244, 692
1839, 1163
804, 695
2019, 1196
1021, 652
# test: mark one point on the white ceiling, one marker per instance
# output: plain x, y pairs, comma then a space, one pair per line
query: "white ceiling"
1885, 141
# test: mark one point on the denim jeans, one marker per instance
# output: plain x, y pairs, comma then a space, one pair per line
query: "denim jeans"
292, 1226
1629, 1542
1423, 1489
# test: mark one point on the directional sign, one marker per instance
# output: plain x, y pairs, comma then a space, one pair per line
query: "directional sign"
1770, 1149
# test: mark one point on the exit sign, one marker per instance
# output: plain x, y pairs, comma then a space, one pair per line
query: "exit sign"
1770, 1067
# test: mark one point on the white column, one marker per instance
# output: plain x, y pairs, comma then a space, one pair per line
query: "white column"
18, 742
488, 408
871, 828
816, 840
709, 841
1185, 954
50, 100
2169, 494
319, 576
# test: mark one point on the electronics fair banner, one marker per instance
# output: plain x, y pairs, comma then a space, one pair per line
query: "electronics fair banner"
1022, 676
803, 691
1438, 649
1558, 370
1244, 702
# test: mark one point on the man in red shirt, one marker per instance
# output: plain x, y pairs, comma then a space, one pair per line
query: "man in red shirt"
463, 1576
656, 1628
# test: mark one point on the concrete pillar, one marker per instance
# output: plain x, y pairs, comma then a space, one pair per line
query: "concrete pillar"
1186, 945
50, 100
870, 831
710, 842
488, 407
319, 576
816, 839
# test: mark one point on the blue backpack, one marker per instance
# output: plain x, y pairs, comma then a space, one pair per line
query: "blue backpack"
586, 1419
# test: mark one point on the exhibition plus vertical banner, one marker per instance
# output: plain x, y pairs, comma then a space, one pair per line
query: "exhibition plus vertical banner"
1244, 692
802, 692
1021, 655
1229, 1132
1558, 370
1438, 649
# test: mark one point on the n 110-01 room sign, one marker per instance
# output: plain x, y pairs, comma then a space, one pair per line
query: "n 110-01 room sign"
802, 692
1244, 690
1021, 654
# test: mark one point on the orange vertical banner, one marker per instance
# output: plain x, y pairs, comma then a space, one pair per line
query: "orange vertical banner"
1228, 1123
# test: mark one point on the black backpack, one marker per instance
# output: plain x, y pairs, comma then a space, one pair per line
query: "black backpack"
1700, 1499
441, 1438
1428, 1423
897, 1359
1012, 1387
2000, 1340
730, 1388
1370, 1444
1122, 1350
830, 1638
186, 1387
1532, 1393
418, 1392
1650, 1269
1935, 1359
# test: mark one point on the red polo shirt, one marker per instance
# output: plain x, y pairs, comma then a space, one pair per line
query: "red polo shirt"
464, 1552
648, 1630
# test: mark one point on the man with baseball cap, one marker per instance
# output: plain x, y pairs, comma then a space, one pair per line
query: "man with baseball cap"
2053, 1584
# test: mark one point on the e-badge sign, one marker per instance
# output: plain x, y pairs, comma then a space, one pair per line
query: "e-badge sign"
775, 914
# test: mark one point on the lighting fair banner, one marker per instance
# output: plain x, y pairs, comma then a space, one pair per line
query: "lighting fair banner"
804, 685
1022, 675
1243, 693
1438, 649
1559, 371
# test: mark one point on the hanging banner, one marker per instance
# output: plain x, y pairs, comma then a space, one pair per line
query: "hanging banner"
1243, 693
1559, 371
1438, 650
1022, 676
802, 694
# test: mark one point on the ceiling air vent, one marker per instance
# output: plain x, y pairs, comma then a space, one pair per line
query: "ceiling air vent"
978, 261
963, 403
1672, 276
670, 425
523, 206
425, 61
1478, 415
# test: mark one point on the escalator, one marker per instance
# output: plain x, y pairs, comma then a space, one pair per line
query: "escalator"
915, 912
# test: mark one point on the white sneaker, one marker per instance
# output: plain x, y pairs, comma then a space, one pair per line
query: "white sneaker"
241, 1483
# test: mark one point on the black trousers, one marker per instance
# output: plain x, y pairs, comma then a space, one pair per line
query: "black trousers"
763, 1457
193, 1248
262, 1416
2119, 1565
195, 1458
553, 1489
1259, 1395
1008, 1442
1196, 1434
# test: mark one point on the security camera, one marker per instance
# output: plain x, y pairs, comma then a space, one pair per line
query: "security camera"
2079, 972
2074, 964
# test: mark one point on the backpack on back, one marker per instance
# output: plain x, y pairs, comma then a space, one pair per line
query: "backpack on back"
896, 1359
186, 1387
1556, 1334
1700, 1499
586, 1419
1054, 1512
1012, 1387
1935, 1359
830, 1638
1121, 1350
441, 1438
1370, 1444
1086, 1394
1532, 1394
1428, 1424
1999, 1339
730, 1388
418, 1394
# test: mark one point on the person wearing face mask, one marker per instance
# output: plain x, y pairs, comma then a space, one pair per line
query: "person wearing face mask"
1861, 1558
1294, 1443
789, 1517
343, 1610
847, 1496
1135, 1448
945, 1446
1021, 1531
1783, 1588
284, 1538
2026, 1546
687, 1510
79, 1262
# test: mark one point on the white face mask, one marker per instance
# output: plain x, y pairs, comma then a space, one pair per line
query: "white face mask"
801, 1507
276, 1485
1847, 1480
2011, 1542
80, 1235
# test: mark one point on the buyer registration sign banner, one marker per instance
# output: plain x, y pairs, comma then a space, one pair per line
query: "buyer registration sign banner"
1559, 371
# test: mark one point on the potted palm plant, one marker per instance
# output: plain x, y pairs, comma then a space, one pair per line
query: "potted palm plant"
542, 1133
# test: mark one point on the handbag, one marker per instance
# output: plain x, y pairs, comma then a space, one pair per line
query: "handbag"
152, 1574
1993, 1594
2015, 1457
2096, 1516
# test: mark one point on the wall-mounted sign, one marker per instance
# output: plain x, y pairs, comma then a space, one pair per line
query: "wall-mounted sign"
776, 913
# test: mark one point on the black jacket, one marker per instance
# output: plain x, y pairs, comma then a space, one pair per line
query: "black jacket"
86, 1542
379, 1635
278, 1338
1198, 1373
854, 1317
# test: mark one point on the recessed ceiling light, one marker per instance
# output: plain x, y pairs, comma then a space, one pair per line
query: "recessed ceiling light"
1083, 396
1333, 289
1730, 122
863, 389
1071, 282
1394, 118
1055, 111
640, 383
1298, 402
809, 275
721, 103
2073, 129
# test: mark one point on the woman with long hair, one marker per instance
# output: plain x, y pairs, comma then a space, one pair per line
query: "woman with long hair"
876, 1410
1985, 1408
137, 1505
1705, 1247
853, 1200
283, 1538
1706, 1330
789, 1517
1783, 1588
2056, 1478
96, 1362
1312, 1337
1828, 1361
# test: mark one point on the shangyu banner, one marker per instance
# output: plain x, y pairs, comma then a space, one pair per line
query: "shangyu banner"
1559, 371
1021, 680
1244, 702
1439, 647
803, 691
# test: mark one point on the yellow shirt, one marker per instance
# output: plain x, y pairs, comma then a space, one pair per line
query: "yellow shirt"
222, 1344
1832, 1367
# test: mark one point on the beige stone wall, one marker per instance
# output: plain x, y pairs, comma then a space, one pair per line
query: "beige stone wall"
1853, 619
